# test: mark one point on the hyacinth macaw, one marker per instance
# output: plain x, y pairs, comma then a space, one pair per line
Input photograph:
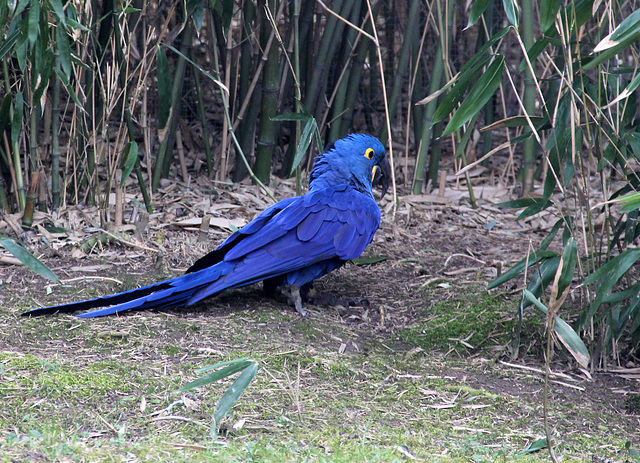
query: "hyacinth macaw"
289, 244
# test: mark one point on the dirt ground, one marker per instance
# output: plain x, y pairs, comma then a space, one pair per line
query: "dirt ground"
433, 248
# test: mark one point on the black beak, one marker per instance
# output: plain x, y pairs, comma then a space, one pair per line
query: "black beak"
383, 175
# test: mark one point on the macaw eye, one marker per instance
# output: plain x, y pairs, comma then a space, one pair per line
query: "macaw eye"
369, 153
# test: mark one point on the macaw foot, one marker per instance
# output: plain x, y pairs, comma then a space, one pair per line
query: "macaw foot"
293, 293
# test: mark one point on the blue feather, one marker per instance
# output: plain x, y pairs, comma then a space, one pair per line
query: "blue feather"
295, 241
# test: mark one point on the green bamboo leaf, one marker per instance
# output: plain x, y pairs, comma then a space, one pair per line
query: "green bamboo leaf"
481, 92
464, 80
627, 32
539, 122
231, 395
627, 258
569, 260
227, 14
4, 12
65, 81
630, 26
129, 160
540, 205
164, 88
610, 273
626, 93
609, 53
5, 113
64, 49
519, 267
477, 8
481, 54
517, 203
305, 141
34, 21
215, 366
76, 25
535, 446
544, 244
630, 202
7, 44
22, 5
44, 70
195, 10
16, 120
217, 375
303, 117
511, 11
369, 260
548, 12
542, 277
58, 8
566, 334
20, 47
28, 259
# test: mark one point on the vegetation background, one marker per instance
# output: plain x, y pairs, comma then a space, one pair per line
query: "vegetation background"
106, 98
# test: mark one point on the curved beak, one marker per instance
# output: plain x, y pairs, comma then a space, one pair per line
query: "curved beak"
382, 175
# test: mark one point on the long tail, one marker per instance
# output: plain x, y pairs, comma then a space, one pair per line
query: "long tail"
169, 293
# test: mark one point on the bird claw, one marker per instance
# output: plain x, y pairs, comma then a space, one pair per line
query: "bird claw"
293, 293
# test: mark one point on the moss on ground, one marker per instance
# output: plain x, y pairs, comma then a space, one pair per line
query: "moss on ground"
472, 319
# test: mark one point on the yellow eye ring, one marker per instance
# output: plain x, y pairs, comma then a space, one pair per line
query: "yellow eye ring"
369, 153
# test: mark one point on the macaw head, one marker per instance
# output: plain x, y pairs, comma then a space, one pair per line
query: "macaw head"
357, 160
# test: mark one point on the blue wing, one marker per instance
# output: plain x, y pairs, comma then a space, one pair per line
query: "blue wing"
298, 239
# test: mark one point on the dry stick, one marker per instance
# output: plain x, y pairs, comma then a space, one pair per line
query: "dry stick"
10, 162
119, 200
551, 313
350, 24
183, 164
225, 146
478, 161
204, 228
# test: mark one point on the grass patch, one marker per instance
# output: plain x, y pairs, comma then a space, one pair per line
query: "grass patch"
471, 319
104, 390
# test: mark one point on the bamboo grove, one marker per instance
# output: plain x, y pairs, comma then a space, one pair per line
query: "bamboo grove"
100, 94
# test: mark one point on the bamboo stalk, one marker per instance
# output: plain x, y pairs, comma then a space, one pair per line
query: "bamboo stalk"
328, 44
4, 198
429, 138
55, 138
267, 130
31, 199
411, 40
339, 99
203, 120
530, 146
355, 78
163, 160
247, 123
16, 128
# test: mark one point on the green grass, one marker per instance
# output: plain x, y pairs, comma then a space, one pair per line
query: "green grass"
94, 390
472, 319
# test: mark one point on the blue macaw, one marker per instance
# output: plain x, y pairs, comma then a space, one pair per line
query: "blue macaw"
289, 244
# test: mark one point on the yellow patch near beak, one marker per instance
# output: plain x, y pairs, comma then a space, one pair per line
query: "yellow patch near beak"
373, 173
